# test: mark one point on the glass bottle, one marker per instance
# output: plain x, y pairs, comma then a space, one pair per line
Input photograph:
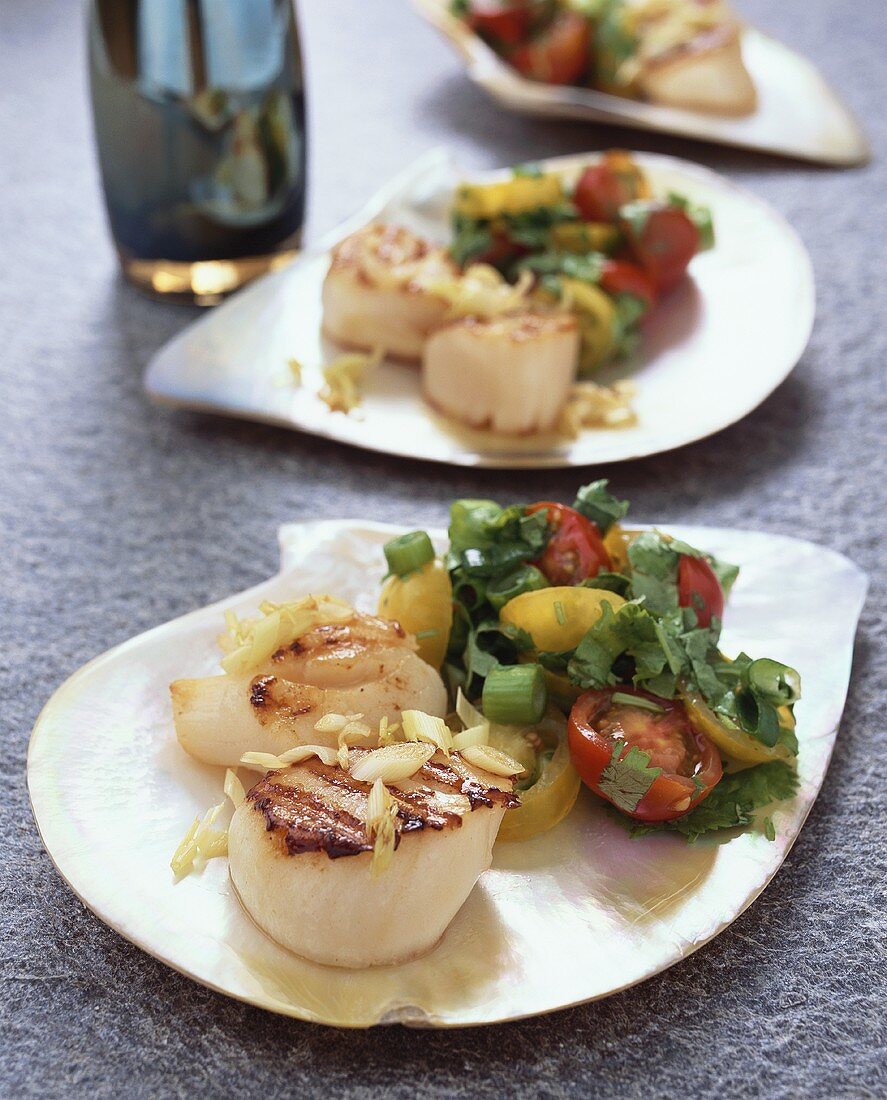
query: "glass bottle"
200, 126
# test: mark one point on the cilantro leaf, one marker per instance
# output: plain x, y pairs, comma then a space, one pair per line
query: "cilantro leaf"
724, 571
630, 631
599, 505
733, 802
626, 779
609, 582
654, 572
530, 170
493, 643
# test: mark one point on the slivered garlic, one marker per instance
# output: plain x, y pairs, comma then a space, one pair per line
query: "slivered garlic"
474, 735
590, 405
211, 842
343, 379
234, 788
297, 755
392, 762
480, 291
267, 762
491, 760
468, 713
380, 828
388, 731
331, 723
418, 726
353, 731
248, 643
200, 843
262, 762
183, 857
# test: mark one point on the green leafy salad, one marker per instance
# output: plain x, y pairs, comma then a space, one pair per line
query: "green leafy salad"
566, 606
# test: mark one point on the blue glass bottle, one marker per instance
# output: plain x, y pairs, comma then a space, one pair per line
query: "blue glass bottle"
200, 127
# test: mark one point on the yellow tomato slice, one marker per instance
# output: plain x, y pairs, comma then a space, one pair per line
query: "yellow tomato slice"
514, 196
548, 801
585, 237
734, 744
616, 542
596, 313
558, 618
422, 602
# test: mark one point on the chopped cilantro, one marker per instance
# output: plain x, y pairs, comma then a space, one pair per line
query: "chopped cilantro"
733, 802
626, 779
631, 631
654, 572
609, 582
600, 506
527, 171
699, 215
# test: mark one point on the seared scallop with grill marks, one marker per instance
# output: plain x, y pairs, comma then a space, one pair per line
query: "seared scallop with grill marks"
356, 665
376, 293
508, 373
351, 873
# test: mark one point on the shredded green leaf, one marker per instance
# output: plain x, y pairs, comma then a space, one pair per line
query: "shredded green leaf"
733, 802
599, 505
626, 779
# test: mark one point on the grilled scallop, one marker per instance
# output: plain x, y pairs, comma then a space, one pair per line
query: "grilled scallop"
510, 373
690, 56
375, 294
359, 665
300, 858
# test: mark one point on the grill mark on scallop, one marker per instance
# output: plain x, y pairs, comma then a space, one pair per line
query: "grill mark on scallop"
417, 808
317, 807
357, 634
272, 698
458, 778
307, 823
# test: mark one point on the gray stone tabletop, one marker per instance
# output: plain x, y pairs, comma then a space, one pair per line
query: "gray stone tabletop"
116, 516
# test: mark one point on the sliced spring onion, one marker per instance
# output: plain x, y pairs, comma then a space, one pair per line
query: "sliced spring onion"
473, 735
468, 713
757, 717
491, 760
559, 612
527, 578
637, 701
515, 694
392, 762
470, 521
407, 553
234, 788
776, 683
419, 726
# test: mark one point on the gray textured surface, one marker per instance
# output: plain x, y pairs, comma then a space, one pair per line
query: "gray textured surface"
117, 516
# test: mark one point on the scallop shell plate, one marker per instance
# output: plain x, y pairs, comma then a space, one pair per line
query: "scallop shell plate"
623, 909
797, 115
701, 365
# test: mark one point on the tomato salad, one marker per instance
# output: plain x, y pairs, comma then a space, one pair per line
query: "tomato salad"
622, 47
603, 245
590, 651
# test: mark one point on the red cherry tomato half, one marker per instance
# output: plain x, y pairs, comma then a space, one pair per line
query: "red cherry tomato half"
663, 240
575, 550
604, 187
506, 21
699, 588
558, 54
690, 763
622, 277
501, 252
